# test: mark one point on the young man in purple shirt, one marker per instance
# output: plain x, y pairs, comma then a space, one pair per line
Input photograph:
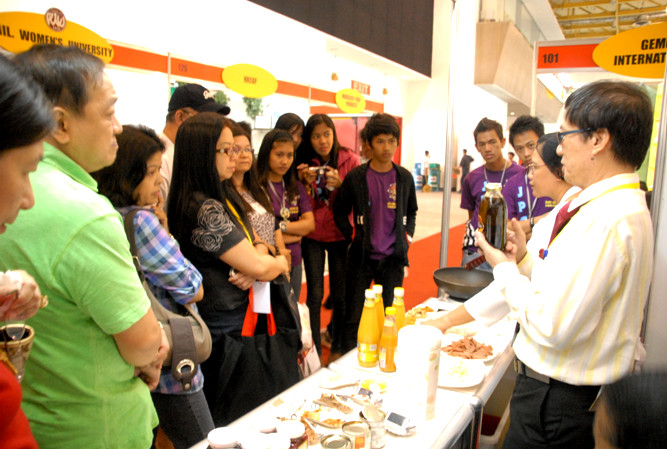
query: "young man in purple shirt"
489, 141
382, 197
521, 203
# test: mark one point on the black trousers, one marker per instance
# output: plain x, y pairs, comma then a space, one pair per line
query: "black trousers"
387, 272
550, 415
313, 252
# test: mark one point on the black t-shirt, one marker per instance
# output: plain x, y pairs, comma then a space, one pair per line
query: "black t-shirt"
212, 232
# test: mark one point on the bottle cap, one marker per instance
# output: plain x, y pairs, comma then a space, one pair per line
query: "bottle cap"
391, 310
370, 294
399, 291
377, 289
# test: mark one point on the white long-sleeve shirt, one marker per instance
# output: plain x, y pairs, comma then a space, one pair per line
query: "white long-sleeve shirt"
582, 308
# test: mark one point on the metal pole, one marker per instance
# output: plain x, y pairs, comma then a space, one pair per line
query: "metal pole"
446, 195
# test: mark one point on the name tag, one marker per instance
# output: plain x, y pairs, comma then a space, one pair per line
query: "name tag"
261, 297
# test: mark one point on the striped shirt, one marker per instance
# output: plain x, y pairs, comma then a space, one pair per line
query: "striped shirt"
171, 277
581, 311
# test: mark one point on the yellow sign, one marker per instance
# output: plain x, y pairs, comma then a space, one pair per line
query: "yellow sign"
21, 30
249, 80
350, 101
639, 52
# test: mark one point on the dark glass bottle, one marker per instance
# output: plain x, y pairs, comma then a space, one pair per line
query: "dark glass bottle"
493, 216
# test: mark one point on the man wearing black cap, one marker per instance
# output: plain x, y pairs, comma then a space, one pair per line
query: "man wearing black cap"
186, 101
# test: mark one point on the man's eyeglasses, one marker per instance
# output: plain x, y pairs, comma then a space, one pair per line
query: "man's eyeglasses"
530, 169
560, 135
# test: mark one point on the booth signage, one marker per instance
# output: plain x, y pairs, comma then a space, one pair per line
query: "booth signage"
21, 30
249, 80
561, 58
350, 101
364, 89
639, 52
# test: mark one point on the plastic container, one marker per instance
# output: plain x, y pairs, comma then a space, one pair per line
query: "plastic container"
388, 343
434, 176
417, 174
379, 304
492, 429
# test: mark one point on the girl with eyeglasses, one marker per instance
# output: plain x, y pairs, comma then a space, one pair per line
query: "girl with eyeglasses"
290, 202
215, 234
253, 196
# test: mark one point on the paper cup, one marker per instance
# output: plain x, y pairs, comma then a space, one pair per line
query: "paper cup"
17, 351
417, 363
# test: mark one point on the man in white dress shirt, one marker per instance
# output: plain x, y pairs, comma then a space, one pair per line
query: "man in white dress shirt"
581, 310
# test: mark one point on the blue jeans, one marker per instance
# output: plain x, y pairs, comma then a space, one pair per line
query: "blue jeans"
184, 418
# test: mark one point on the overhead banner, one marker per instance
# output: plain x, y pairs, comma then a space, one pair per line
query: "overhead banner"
638, 53
21, 30
350, 101
249, 80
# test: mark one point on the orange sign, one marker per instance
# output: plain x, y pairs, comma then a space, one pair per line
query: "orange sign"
21, 30
639, 52
249, 80
562, 57
364, 89
350, 101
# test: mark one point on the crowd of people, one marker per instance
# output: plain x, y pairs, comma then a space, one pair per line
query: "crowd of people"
213, 220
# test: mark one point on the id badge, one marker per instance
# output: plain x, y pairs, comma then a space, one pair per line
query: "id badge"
261, 297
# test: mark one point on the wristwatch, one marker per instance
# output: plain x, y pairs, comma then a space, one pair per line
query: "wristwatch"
283, 226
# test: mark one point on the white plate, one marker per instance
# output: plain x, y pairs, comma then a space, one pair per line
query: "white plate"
455, 372
496, 344
223, 437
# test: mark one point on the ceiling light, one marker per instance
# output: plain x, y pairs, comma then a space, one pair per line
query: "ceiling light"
641, 21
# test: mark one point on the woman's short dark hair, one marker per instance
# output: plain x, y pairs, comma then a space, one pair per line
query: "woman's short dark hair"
25, 116
622, 108
288, 121
250, 179
65, 74
381, 124
136, 145
636, 407
272, 137
306, 153
546, 148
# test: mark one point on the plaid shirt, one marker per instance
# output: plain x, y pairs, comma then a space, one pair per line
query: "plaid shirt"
171, 277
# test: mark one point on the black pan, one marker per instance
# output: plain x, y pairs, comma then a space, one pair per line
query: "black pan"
460, 283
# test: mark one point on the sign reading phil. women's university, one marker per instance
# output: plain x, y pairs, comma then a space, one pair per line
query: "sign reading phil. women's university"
21, 30
639, 52
350, 101
249, 80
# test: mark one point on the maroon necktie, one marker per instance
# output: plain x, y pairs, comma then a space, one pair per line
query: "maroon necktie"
562, 218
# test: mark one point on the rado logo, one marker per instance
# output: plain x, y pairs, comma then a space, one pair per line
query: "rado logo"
55, 19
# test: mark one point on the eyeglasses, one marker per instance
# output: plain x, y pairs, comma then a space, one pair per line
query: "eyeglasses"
561, 134
240, 150
530, 169
232, 150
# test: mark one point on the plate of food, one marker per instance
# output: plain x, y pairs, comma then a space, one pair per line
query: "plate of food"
417, 314
455, 372
470, 348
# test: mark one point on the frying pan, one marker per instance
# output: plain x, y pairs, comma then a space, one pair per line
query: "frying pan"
460, 283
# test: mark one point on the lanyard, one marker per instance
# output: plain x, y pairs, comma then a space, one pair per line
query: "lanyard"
238, 218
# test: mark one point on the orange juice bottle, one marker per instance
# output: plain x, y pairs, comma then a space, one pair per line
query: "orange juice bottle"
399, 305
388, 342
368, 334
379, 305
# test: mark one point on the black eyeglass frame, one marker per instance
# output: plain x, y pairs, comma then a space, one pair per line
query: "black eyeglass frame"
560, 135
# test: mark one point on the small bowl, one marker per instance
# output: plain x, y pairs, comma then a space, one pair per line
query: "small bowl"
222, 438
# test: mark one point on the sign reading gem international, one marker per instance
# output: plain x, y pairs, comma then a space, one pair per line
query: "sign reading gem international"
249, 80
21, 30
350, 101
639, 52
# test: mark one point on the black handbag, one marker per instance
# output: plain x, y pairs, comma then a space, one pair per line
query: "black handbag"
189, 337
247, 370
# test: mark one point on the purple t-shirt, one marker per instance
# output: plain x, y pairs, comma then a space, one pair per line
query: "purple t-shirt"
474, 186
298, 206
382, 216
521, 203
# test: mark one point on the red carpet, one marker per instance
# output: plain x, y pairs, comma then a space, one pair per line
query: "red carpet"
424, 256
